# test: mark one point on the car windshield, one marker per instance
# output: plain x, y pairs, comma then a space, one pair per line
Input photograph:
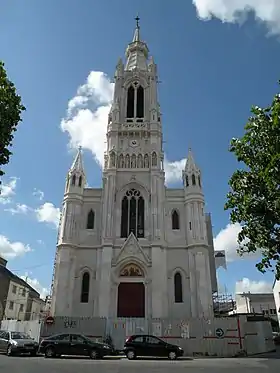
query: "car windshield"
17, 335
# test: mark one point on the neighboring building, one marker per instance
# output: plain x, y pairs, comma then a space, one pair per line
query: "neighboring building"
255, 303
18, 300
276, 293
134, 248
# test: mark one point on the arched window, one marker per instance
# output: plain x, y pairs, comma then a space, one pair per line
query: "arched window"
175, 220
130, 102
187, 181
133, 161
199, 181
85, 288
74, 180
140, 102
193, 179
112, 159
127, 161
154, 159
132, 218
90, 220
80, 181
178, 288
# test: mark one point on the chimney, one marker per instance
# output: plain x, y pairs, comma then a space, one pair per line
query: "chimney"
3, 262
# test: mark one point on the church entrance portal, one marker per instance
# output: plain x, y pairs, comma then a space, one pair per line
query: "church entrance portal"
131, 299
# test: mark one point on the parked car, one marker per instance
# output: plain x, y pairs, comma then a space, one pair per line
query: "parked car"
149, 345
13, 343
73, 344
276, 338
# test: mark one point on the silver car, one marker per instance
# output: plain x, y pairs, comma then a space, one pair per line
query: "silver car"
13, 343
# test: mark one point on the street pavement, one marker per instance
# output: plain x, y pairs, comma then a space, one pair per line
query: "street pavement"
26, 364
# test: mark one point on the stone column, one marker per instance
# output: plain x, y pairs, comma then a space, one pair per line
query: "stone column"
105, 282
159, 281
204, 284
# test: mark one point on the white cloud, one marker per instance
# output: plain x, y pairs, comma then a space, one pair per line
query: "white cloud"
36, 285
8, 190
48, 213
226, 240
245, 285
87, 118
19, 209
12, 249
267, 11
38, 193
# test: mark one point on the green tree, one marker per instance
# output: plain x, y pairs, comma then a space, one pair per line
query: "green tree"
10, 116
254, 197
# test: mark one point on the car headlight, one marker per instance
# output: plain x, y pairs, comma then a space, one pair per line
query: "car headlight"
180, 348
107, 347
14, 343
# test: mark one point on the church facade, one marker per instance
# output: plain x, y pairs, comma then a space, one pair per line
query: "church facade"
134, 248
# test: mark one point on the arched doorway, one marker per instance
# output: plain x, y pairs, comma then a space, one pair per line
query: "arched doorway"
131, 293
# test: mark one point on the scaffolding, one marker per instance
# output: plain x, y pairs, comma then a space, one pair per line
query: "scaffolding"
223, 304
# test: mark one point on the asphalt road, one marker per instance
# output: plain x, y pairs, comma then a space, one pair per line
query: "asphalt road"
27, 364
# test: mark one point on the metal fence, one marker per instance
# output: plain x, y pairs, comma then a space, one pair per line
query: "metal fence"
222, 337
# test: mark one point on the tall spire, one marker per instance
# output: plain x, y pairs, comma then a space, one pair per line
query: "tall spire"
190, 163
137, 51
77, 165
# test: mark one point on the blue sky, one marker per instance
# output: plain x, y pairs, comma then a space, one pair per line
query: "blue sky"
211, 73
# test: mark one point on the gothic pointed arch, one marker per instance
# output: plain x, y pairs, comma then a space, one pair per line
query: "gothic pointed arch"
112, 159
140, 102
140, 161
193, 179
132, 214
187, 181
146, 161
131, 270
175, 220
154, 159
127, 161
73, 180
90, 219
133, 161
130, 102
85, 287
199, 180
178, 288
121, 161
80, 181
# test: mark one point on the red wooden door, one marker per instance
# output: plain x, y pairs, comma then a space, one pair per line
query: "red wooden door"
131, 299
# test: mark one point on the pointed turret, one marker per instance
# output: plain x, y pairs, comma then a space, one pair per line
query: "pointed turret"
76, 178
137, 51
191, 174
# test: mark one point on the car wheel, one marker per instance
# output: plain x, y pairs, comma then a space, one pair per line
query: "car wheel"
131, 355
49, 352
9, 351
93, 354
172, 355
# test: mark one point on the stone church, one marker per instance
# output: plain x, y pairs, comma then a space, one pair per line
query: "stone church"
134, 248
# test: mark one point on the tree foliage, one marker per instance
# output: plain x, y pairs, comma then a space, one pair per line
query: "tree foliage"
10, 116
254, 197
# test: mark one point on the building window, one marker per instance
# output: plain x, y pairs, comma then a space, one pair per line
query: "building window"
85, 288
23, 292
199, 181
178, 288
193, 179
154, 159
132, 218
190, 225
74, 180
90, 220
130, 102
80, 181
140, 102
187, 181
14, 289
11, 305
135, 101
21, 308
175, 220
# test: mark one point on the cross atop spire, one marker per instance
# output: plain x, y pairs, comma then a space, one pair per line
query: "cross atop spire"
137, 19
